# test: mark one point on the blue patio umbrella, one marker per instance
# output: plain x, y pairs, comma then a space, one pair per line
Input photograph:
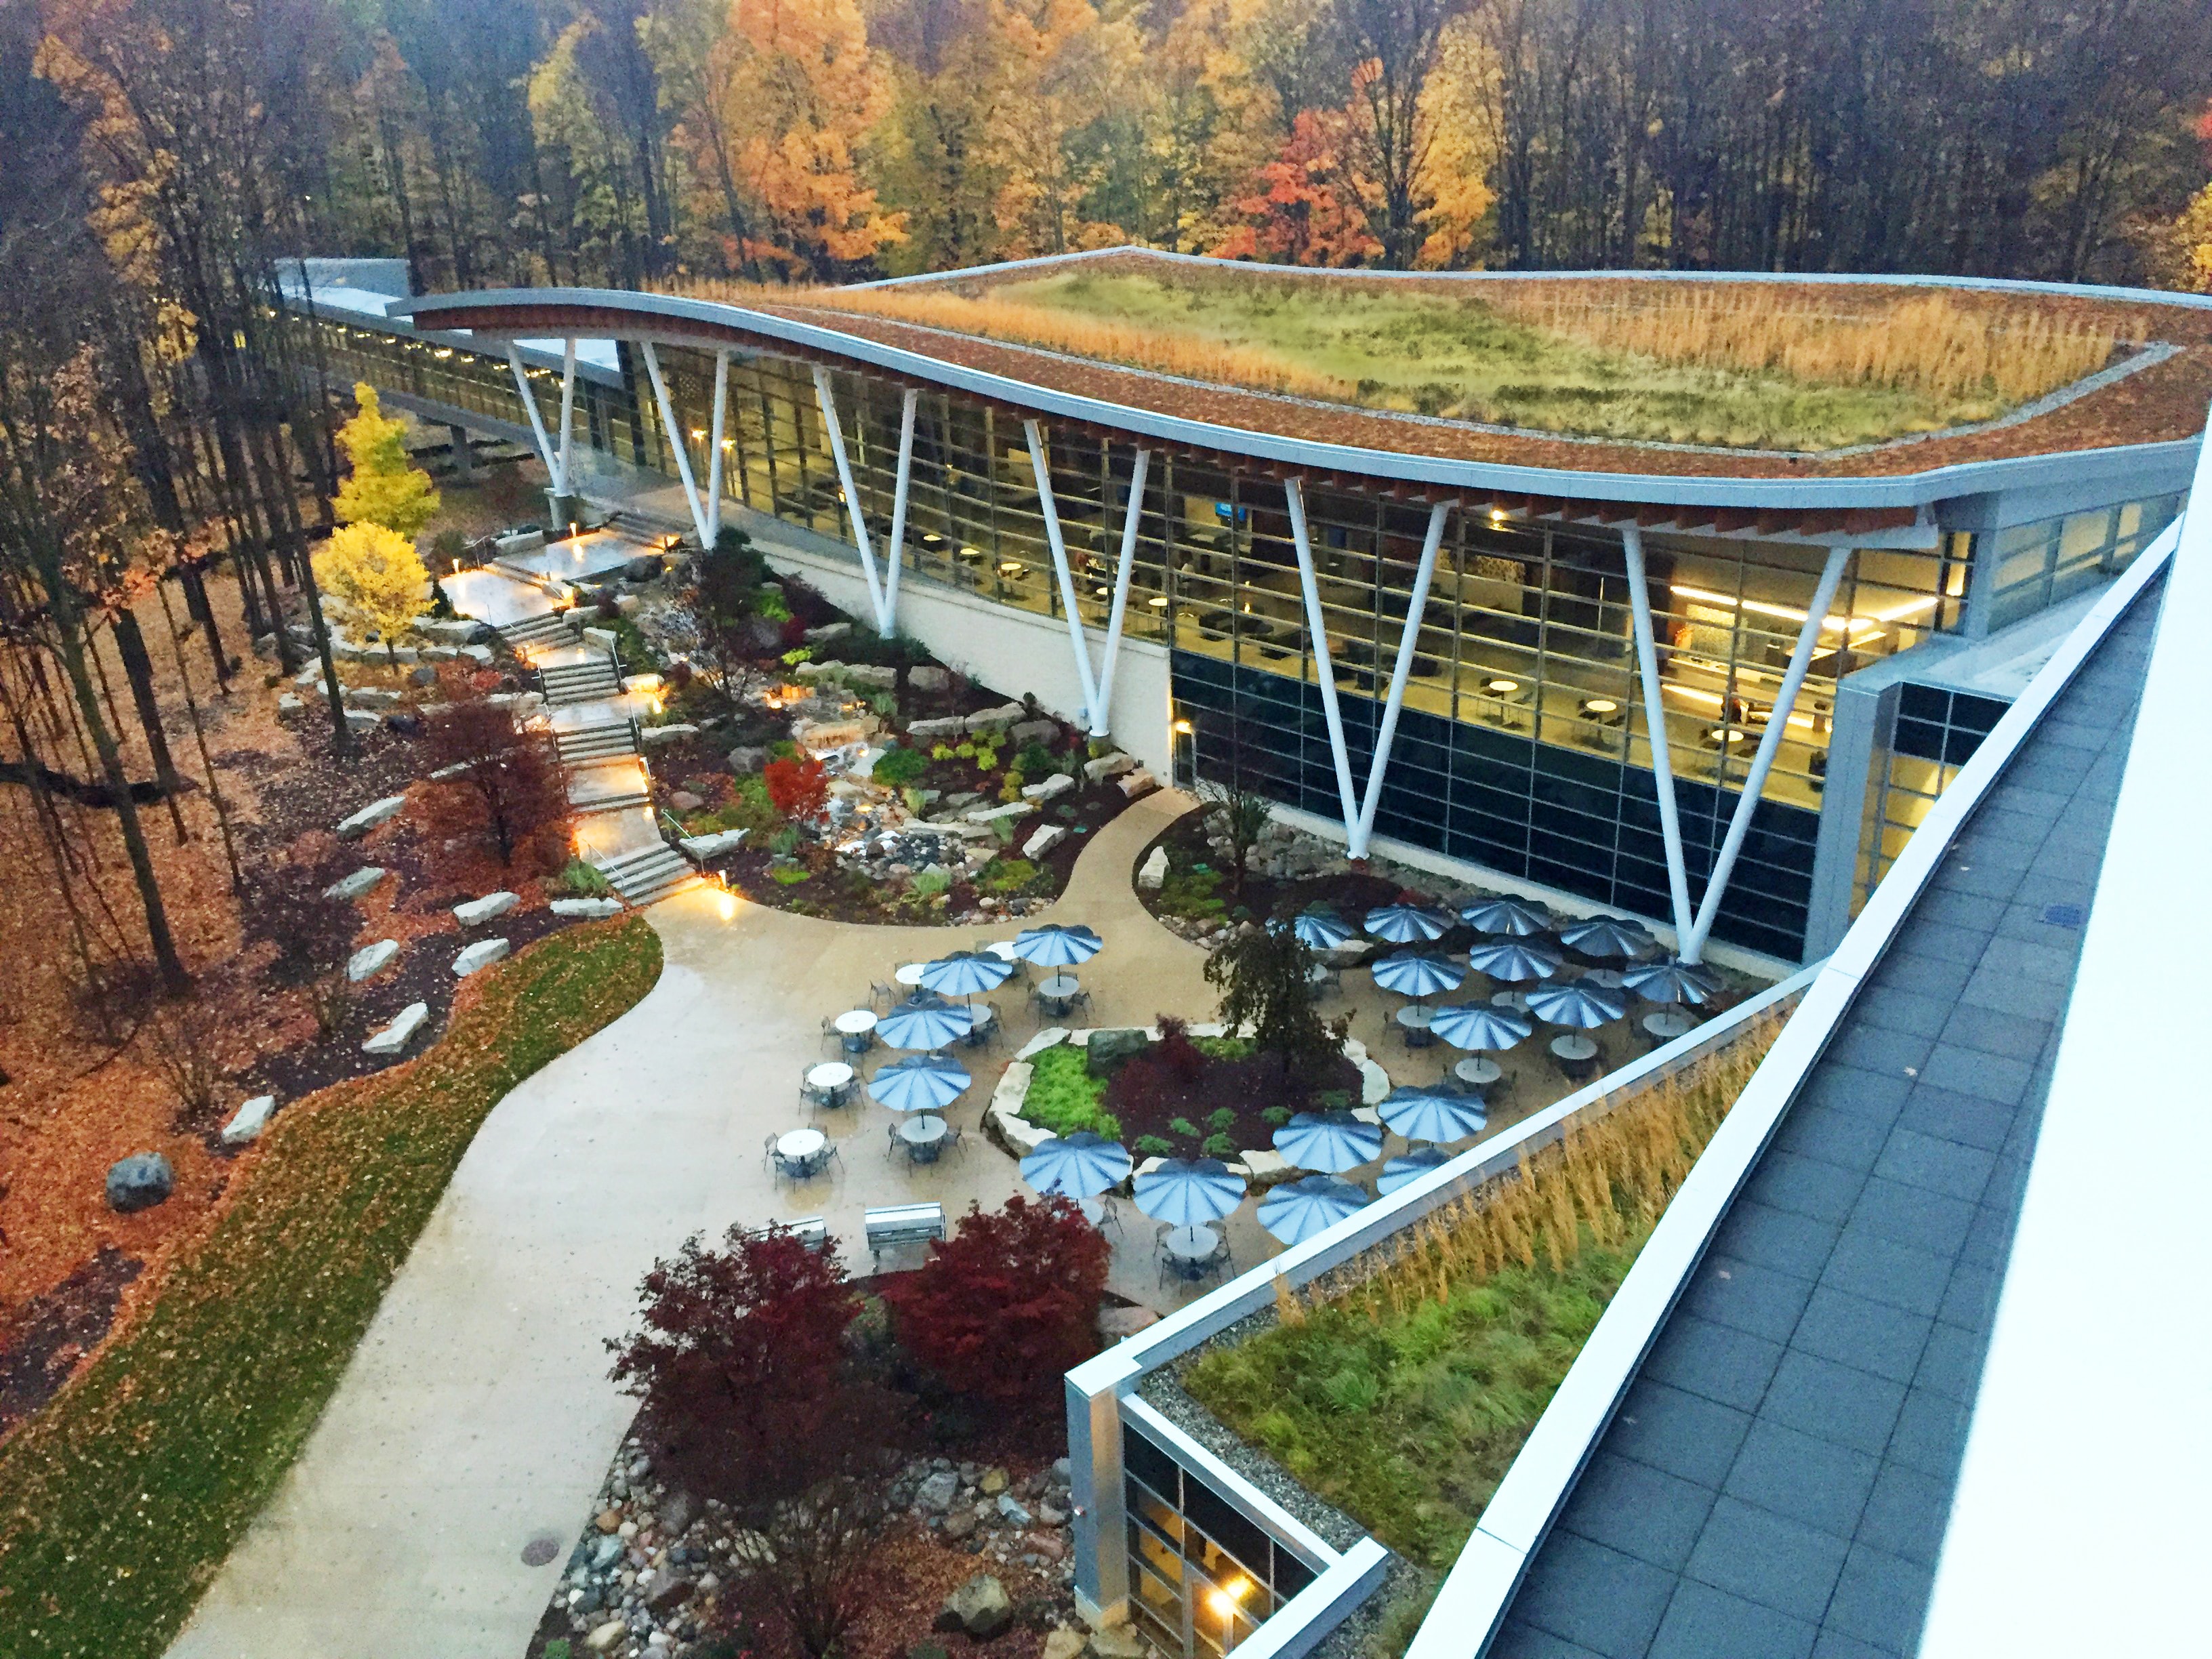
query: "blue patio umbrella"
964, 973
1479, 1025
926, 1021
1603, 936
1513, 962
1080, 1165
1052, 946
1672, 981
1409, 1166
1420, 1114
1320, 929
1297, 1210
1331, 1141
1503, 915
920, 1083
1576, 1004
1416, 974
1408, 924
1187, 1192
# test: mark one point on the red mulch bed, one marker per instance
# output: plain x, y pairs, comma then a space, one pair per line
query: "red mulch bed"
47, 1339
1148, 1093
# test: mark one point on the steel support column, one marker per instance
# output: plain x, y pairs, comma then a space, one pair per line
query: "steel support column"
896, 553
546, 453
677, 447
1318, 633
567, 407
1408, 644
1051, 512
1801, 659
1137, 472
714, 467
827, 400
1654, 726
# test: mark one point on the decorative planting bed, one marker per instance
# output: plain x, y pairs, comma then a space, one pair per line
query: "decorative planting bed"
1196, 1092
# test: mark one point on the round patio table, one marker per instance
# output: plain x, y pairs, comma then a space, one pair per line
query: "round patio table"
1609, 979
857, 1026
1574, 1049
829, 1079
1478, 1071
1190, 1247
910, 974
1517, 1000
803, 1151
985, 1017
1666, 1026
1415, 1017
1317, 975
924, 1138
1094, 1210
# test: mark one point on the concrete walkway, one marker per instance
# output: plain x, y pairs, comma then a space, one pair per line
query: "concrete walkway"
477, 1413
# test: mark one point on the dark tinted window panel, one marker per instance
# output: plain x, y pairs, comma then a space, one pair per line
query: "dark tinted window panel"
1150, 1464
1213, 1515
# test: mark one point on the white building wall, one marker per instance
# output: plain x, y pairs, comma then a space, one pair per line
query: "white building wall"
1012, 651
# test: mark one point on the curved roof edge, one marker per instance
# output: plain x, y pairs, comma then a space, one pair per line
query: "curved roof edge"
668, 315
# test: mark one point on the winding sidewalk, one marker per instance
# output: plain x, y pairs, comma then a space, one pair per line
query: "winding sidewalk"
476, 1413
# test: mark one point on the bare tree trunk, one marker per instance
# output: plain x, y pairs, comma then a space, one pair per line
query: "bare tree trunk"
207, 762
138, 670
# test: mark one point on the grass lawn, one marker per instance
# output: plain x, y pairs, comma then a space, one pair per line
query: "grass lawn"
122, 1497
1403, 1396
1432, 354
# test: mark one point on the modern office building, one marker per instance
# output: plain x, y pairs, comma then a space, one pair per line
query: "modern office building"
1715, 686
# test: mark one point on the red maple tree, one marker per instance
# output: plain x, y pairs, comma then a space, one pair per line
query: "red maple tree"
1010, 1302
1306, 210
797, 788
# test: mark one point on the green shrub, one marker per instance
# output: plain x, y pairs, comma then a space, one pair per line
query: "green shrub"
1188, 893
1153, 1146
943, 751
772, 604
1035, 760
929, 882
885, 704
788, 875
578, 879
1006, 875
1220, 1146
899, 767
558, 1648
1278, 1115
1184, 1126
1063, 1096
785, 840
964, 750
1222, 1118
803, 653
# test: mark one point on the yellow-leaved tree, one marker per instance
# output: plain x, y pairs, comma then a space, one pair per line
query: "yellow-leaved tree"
377, 572
382, 488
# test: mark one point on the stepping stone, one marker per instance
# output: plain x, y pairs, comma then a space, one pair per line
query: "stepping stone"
591, 909
674, 732
479, 654
393, 1038
478, 911
363, 720
289, 702
247, 1122
377, 811
707, 847
371, 959
482, 954
1011, 809
356, 884
371, 697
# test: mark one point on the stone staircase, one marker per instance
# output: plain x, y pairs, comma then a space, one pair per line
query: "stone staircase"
649, 874
590, 794
608, 740
536, 634
591, 681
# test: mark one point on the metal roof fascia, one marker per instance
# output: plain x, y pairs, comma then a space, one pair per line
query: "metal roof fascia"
1913, 489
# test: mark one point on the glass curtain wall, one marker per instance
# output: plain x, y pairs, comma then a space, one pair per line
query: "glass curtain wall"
1202, 1577
2042, 564
1923, 741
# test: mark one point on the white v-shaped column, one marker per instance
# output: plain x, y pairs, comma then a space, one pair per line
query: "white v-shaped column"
1097, 688
701, 521
1359, 809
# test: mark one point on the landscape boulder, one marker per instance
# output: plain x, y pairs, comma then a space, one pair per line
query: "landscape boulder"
927, 681
937, 1492
1034, 731
352, 886
980, 1608
590, 909
996, 719
1047, 838
357, 825
1109, 1048
1135, 784
674, 732
394, 1038
747, 758
248, 1121
1051, 789
1107, 766
827, 632
139, 1182
1153, 873
478, 911
482, 954
714, 846
370, 960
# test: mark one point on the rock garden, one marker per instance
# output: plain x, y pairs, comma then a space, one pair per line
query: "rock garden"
822, 769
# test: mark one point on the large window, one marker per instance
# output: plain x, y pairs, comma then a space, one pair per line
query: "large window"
2041, 564
1929, 734
1202, 1575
